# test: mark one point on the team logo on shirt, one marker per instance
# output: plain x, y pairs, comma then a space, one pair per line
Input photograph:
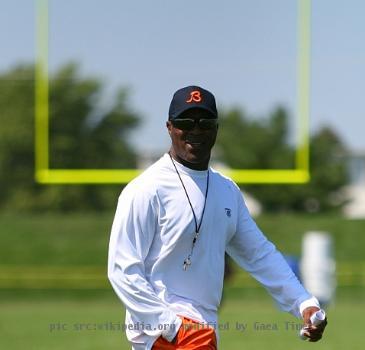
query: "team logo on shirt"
228, 212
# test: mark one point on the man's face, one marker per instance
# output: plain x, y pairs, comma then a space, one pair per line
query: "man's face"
193, 146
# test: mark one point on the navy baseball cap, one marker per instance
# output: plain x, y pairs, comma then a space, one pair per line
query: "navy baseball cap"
192, 97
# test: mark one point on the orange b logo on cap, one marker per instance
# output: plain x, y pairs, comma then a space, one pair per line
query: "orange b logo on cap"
194, 97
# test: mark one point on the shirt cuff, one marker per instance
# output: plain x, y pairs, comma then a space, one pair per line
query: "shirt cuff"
170, 333
313, 301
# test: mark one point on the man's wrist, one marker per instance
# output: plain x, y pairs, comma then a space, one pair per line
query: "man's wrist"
311, 302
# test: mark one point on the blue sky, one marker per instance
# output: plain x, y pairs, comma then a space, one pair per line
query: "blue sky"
244, 51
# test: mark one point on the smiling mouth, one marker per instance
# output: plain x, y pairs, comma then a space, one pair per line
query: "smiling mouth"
195, 143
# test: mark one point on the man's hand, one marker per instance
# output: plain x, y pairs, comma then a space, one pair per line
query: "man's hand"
313, 333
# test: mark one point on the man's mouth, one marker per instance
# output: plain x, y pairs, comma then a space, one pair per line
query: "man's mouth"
194, 143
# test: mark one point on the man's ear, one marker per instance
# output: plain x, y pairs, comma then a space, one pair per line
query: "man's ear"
168, 126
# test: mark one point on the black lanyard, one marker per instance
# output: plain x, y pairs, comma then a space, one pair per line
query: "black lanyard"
187, 261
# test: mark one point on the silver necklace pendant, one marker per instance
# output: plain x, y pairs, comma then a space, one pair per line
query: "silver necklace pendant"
187, 263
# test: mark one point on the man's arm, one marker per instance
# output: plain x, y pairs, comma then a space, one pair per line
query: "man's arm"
254, 253
131, 237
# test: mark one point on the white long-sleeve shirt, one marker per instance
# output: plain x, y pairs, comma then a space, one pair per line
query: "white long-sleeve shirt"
152, 234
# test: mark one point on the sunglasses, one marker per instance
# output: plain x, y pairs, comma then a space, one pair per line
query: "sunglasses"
189, 124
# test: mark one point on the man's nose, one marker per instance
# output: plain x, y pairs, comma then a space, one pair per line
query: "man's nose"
196, 129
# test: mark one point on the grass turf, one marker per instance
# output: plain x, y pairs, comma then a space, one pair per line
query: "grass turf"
92, 323
82, 239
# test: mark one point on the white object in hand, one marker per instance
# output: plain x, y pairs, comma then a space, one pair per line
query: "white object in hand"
316, 319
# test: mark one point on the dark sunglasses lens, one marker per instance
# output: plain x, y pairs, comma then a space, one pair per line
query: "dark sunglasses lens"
207, 124
183, 124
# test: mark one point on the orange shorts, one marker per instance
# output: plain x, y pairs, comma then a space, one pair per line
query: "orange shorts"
192, 335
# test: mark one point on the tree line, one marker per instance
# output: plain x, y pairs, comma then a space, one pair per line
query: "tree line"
85, 135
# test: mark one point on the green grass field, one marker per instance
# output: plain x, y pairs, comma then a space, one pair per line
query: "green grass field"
82, 239
76, 323
53, 275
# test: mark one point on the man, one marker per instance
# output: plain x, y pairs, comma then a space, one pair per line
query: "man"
171, 230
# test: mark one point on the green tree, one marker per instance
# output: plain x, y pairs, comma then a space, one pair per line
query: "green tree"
251, 144
82, 135
329, 172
